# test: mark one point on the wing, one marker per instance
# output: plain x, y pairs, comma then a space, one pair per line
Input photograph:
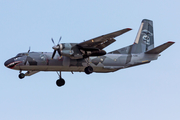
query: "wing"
102, 41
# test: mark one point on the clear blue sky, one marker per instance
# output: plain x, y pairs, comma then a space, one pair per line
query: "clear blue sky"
148, 92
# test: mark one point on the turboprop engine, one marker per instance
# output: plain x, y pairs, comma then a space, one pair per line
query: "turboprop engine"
73, 51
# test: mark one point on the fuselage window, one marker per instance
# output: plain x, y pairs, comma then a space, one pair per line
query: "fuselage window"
42, 57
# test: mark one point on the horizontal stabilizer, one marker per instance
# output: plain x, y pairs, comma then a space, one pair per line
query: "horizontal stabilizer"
160, 48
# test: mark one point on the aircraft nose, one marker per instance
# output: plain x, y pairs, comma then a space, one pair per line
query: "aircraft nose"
10, 63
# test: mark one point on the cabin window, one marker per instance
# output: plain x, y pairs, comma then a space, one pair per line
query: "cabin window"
42, 57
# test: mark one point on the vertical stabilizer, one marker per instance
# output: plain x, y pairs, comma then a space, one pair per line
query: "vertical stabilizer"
145, 38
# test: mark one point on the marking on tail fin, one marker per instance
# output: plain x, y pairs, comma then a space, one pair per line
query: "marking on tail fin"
146, 36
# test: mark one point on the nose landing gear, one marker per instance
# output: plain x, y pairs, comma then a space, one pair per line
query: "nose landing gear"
21, 75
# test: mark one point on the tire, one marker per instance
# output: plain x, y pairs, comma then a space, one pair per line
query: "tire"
60, 82
21, 75
88, 70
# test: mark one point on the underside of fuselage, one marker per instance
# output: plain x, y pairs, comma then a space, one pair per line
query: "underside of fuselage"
61, 68
100, 64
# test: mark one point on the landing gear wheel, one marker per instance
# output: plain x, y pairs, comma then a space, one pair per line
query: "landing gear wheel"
21, 75
60, 82
88, 70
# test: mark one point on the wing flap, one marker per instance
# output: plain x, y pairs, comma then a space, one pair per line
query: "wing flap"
105, 43
160, 48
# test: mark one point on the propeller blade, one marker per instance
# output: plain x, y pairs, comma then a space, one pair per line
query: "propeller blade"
26, 60
59, 53
29, 49
56, 47
27, 55
53, 54
52, 41
59, 40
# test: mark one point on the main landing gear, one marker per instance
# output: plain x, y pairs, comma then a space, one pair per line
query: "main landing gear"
88, 70
60, 82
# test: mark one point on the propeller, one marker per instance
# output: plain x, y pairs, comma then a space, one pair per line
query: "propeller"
27, 55
29, 49
57, 47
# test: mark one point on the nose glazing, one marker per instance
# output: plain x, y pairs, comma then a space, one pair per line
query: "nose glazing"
8, 62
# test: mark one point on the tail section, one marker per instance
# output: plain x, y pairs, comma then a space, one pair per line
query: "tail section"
144, 42
145, 38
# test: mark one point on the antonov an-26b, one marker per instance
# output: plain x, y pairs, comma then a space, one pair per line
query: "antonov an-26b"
89, 56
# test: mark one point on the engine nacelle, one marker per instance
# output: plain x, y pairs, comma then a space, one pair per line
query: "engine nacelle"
95, 53
67, 52
74, 53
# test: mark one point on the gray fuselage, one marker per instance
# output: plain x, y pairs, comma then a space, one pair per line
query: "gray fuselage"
41, 61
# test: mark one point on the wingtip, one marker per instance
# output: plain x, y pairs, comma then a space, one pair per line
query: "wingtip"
171, 42
128, 28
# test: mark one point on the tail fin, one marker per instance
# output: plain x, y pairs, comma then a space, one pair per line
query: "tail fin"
145, 38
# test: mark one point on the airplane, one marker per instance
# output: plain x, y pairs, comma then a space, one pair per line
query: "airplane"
89, 56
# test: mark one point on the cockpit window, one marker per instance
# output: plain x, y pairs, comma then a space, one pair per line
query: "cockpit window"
20, 54
16, 58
